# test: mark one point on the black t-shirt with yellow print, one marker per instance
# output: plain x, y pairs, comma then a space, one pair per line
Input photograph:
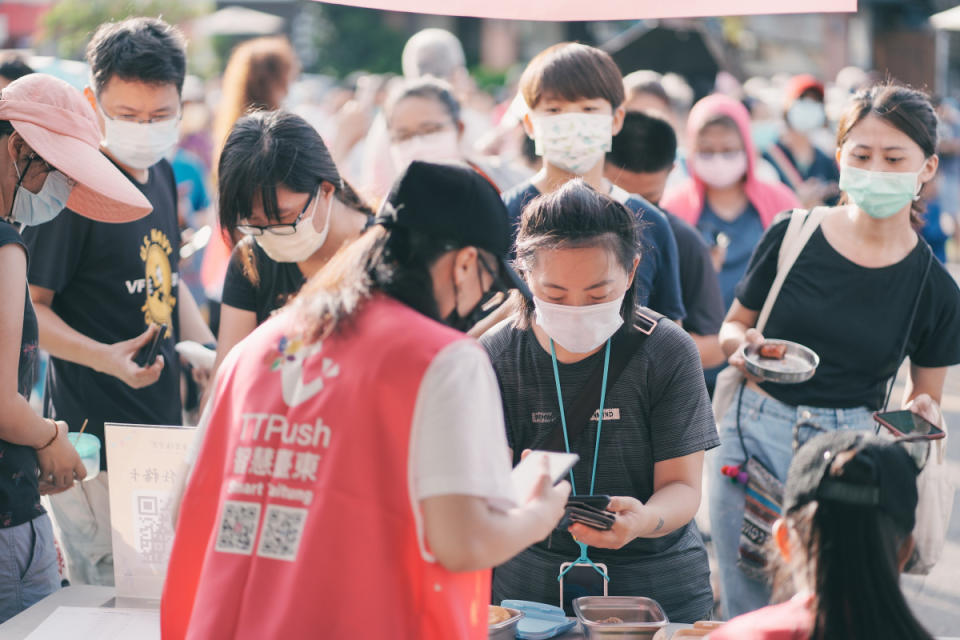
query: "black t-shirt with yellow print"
110, 282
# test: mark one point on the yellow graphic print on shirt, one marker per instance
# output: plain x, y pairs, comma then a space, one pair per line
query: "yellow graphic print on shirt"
155, 252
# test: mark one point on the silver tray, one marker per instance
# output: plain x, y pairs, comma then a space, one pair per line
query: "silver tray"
642, 617
506, 630
798, 364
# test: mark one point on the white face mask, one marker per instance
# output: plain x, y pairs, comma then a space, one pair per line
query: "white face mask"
574, 142
139, 145
32, 209
302, 243
806, 115
579, 329
437, 147
720, 170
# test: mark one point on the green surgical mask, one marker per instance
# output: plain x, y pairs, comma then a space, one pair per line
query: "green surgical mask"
880, 194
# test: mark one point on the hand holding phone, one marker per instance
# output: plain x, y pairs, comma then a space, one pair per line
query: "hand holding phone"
526, 475
907, 423
148, 354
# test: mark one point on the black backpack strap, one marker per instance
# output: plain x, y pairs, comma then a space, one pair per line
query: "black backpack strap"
624, 345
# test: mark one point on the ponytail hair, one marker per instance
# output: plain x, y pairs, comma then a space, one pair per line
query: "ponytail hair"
849, 557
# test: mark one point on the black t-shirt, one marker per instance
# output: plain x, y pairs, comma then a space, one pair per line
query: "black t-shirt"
854, 317
110, 282
277, 281
656, 410
19, 495
699, 285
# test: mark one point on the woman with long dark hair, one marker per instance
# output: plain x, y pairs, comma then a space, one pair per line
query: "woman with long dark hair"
647, 419
368, 434
864, 293
280, 188
845, 535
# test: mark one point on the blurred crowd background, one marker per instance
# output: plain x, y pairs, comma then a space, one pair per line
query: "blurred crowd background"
336, 66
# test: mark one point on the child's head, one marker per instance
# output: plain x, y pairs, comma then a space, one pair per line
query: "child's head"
575, 97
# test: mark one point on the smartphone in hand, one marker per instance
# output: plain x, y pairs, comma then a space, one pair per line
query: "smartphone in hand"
907, 423
148, 354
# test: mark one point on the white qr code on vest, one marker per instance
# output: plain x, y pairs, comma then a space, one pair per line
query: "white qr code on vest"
282, 530
238, 527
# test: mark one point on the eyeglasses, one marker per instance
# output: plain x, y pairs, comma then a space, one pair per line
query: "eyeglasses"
280, 229
137, 120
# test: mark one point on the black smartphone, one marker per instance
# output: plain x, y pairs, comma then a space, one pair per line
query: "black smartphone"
148, 354
582, 580
907, 423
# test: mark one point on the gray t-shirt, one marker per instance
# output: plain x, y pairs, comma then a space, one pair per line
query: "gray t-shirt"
656, 410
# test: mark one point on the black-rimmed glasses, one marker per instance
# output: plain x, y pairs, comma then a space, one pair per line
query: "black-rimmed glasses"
279, 229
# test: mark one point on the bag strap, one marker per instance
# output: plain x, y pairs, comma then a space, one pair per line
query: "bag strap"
799, 230
622, 349
789, 170
910, 322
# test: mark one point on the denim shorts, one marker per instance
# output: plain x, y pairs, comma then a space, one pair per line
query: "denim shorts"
770, 429
28, 565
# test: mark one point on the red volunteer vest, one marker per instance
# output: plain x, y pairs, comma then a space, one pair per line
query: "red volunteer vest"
298, 521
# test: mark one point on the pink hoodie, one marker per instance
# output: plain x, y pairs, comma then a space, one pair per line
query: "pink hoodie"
687, 199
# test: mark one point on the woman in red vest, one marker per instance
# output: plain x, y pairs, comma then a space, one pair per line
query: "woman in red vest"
353, 478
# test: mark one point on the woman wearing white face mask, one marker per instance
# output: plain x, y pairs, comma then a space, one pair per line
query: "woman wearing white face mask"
810, 172
424, 123
864, 293
49, 159
280, 187
585, 343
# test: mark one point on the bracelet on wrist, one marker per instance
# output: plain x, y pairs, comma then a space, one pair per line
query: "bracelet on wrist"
56, 432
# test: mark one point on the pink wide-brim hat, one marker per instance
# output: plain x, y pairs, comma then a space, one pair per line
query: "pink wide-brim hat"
60, 126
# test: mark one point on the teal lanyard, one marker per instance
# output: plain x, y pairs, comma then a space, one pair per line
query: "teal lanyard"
583, 559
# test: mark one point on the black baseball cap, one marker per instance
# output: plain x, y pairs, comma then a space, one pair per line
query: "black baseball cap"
885, 475
455, 203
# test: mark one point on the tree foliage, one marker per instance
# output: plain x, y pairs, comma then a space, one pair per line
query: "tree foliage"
351, 38
69, 24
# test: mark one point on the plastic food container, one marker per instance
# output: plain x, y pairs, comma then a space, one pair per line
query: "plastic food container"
88, 447
506, 630
642, 617
540, 621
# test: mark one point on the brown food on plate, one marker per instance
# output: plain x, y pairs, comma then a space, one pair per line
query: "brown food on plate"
496, 615
611, 620
773, 350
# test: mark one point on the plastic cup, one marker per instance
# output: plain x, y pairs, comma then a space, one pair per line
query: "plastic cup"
88, 447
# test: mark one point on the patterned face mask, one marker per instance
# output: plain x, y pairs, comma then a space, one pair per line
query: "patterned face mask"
574, 142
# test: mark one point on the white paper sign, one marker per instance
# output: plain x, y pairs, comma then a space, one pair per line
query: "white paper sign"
99, 623
145, 463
